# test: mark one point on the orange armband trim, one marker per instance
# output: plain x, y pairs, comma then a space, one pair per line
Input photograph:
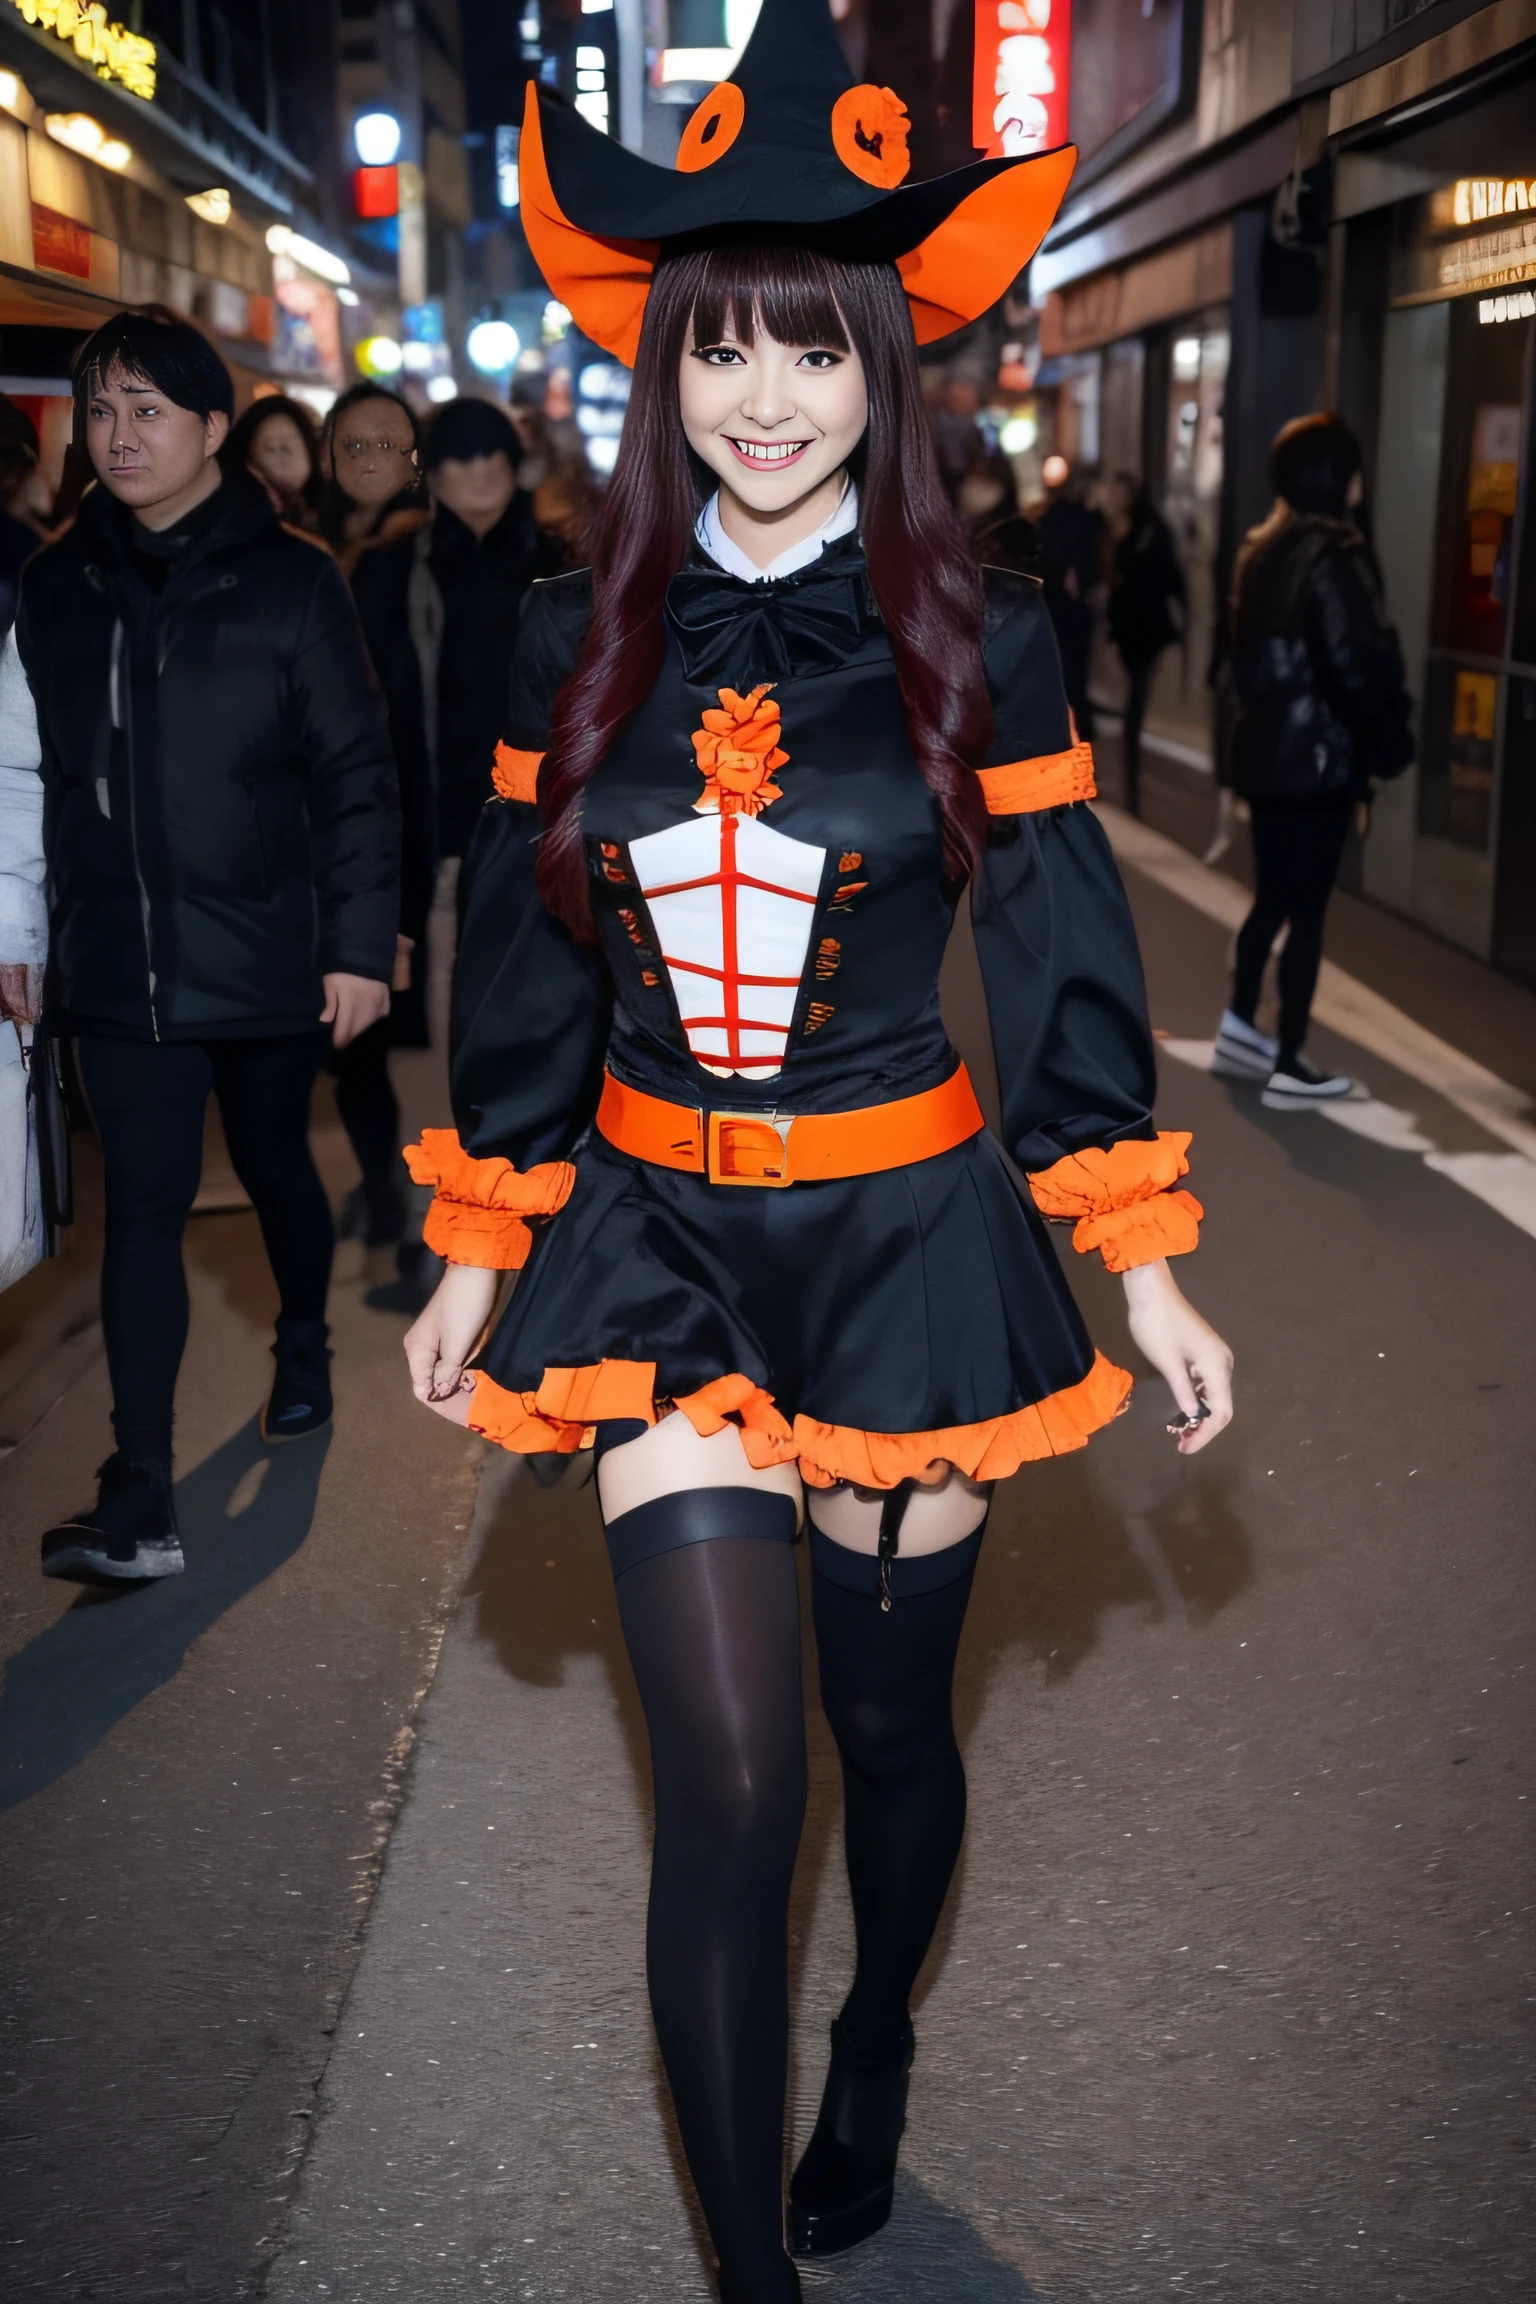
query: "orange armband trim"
482, 1207
1054, 780
515, 774
1118, 1200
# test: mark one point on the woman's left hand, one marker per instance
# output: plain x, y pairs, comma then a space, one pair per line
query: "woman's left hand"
1184, 1349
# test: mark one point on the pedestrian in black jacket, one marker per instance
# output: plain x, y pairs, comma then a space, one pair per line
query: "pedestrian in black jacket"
1147, 606
1317, 710
376, 513
221, 831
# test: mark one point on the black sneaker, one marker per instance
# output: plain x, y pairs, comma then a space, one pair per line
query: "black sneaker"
301, 1389
128, 1537
1295, 1081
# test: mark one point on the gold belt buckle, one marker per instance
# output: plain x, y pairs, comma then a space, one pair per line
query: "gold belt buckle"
747, 1148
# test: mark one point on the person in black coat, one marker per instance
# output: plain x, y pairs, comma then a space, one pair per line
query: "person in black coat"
1147, 603
439, 595
221, 830
1317, 710
1071, 551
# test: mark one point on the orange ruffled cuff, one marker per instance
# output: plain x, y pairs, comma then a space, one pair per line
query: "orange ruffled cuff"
559, 1418
481, 1212
1119, 1200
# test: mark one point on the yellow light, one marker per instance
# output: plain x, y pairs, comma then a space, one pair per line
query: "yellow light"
88, 137
78, 130
380, 356
113, 52
213, 206
10, 92
282, 240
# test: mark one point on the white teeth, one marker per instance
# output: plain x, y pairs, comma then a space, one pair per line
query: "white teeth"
769, 451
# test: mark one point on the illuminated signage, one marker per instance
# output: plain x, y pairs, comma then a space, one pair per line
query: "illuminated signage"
1476, 198
1023, 76
113, 52
376, 191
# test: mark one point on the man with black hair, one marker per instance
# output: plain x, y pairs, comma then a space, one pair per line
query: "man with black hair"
1318, 710
188, 686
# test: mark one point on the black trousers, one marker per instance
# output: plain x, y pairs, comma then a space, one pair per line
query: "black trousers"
1139, 676
148, 1100
1296, 850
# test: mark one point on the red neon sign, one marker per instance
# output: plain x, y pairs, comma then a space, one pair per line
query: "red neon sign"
1023, 76
376, 191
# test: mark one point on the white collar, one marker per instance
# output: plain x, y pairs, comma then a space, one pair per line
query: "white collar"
714, 540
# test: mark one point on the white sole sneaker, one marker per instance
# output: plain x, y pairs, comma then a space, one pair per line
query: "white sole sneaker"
1284, 1093
1233, 1061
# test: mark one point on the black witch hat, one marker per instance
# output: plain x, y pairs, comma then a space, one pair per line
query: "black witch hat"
788, 148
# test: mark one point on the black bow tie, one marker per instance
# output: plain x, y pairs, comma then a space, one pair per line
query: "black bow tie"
735, 633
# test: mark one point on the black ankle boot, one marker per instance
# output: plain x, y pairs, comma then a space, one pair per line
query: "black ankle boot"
301, 1388
128, 1536
841, 2191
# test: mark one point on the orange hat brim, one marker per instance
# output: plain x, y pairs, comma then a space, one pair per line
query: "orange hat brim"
973, 257
602, 283
962, 267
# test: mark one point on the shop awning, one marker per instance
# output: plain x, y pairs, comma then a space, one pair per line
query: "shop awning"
29, 301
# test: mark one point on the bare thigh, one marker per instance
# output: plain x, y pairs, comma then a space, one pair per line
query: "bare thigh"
672, 1457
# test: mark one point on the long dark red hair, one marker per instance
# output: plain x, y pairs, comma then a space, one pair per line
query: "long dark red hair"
924, 578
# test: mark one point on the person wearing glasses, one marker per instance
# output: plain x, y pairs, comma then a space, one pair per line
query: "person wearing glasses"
200, 832
374, 513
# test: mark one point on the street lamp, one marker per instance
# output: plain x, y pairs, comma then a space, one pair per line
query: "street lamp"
377, 137
493, 347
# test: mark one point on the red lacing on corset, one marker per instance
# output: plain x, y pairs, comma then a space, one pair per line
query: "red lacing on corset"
730, 978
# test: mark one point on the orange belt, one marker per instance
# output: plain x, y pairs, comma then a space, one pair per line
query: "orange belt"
778, 1148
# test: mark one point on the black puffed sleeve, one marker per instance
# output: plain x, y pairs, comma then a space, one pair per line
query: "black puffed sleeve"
531, 1006
1030, 719
1053, 929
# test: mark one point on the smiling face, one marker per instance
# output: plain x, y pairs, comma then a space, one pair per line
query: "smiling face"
152, 455
775, 422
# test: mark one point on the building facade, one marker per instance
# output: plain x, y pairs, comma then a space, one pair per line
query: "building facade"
1291, 204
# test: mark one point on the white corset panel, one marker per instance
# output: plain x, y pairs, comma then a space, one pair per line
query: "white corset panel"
732, 904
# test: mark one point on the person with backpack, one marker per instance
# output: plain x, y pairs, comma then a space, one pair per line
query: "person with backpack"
217, 878
1317, 711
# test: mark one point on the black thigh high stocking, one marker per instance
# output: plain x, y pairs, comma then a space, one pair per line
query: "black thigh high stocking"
887, 1673
707, 1598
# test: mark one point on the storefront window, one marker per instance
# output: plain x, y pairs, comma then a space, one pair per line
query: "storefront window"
1468, 662
1198, 355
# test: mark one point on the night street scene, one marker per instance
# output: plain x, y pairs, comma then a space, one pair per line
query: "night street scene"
767, 1151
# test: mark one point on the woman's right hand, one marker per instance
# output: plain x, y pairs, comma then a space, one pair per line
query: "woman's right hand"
441, 1341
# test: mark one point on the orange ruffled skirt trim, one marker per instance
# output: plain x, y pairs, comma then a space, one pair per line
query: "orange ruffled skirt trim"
560, 1417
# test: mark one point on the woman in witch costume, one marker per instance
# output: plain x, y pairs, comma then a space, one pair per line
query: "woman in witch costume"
773, 1266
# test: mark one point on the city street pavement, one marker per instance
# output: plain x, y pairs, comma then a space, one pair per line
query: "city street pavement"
1232, 1996
1231, 1999
197, 1779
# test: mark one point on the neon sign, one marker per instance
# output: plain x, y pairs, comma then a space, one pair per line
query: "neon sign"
1023, 76
113, 52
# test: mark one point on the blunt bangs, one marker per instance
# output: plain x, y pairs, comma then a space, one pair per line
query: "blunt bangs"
790, 293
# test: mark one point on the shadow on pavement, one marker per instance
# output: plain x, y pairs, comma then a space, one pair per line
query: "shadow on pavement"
243, 1513
926, 2250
